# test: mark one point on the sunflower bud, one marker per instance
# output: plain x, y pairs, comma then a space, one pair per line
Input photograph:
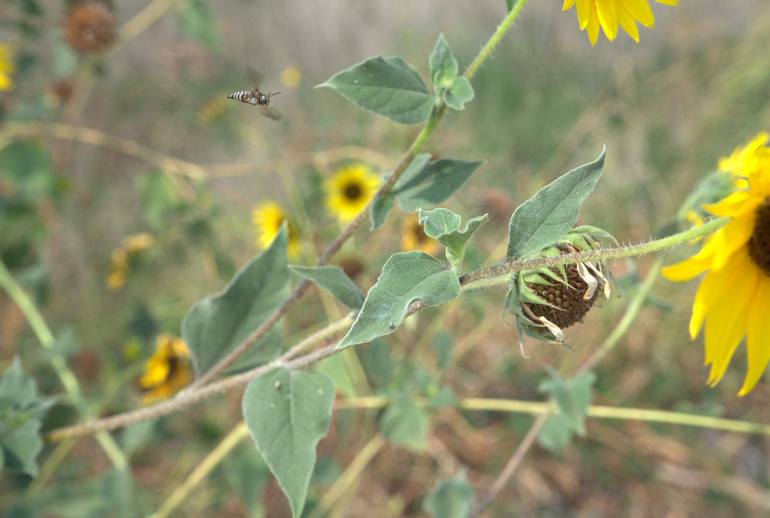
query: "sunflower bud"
548, 300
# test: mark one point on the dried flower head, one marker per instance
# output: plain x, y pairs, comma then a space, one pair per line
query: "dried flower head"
548, 300
89, 27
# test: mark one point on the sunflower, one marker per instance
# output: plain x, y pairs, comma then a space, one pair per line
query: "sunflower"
268, 218
124, 257
6, 68
167, 371
413, 237
609, 14
291, 76
350, 190
734, 295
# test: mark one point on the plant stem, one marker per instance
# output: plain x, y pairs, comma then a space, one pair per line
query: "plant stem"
202, 470
288, 360
419, 141
67, 378
630, 314
349, 477
500, 273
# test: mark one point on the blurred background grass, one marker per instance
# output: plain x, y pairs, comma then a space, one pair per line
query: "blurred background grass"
666, 109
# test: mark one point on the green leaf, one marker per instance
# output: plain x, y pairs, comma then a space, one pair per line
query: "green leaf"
573, 397
27, 167
553, 211
287, 413
405, 424
386, 86
336, 281
452, 498
21, 413
443, 64
405, 278
336, 368
217, 324
379, 211
198, 22
443, 225
509, 4
556, 433
425, 183
459, 93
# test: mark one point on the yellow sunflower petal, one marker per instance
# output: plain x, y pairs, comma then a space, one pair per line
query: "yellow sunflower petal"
735, 205
607, 18
726, 323
641, 11
758, 339
713, 287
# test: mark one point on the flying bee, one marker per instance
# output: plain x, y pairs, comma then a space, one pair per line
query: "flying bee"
257, 98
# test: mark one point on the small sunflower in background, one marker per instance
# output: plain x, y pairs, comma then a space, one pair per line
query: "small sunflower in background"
413, 237
734, 296
124, 258
291, 76
6, 68
350, 190
167, 371
609, 15
268, 218
89, 27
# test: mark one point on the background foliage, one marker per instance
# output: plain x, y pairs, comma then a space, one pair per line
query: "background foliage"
173, 159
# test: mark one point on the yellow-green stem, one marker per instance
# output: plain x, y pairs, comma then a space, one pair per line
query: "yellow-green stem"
500, 273
202, 470
68, 379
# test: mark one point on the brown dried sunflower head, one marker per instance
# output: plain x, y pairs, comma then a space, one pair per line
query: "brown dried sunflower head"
550, 299
89, 27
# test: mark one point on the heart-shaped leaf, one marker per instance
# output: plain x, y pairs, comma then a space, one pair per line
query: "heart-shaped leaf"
217, 324
552, 211
287, 413
386, 86
427, 183
336, 281
405, 278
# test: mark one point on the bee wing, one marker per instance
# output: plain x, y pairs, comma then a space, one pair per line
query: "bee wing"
255, 76
270, 113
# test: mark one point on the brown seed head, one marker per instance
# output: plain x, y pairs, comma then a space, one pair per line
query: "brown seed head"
89, 27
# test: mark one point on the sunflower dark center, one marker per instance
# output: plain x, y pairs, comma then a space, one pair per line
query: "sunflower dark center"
568, 298
352, 191
759, 243
419, 234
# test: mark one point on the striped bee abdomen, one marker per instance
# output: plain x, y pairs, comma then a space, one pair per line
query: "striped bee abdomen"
242, 95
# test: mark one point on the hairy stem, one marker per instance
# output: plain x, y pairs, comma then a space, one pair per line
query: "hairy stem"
500, 273
422, 137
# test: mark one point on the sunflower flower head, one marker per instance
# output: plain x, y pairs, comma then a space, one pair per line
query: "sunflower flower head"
167, 371
734, 294
125, 257
350, 190
413, 237
610, 15
268, 218
6, 68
